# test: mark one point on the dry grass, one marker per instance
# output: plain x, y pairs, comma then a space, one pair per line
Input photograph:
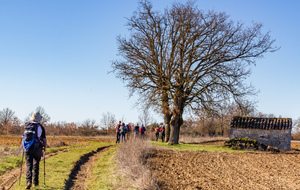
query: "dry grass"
132, 165
55, 141
185, 139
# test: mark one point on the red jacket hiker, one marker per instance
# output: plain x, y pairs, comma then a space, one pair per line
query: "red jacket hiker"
157, 130
157, 133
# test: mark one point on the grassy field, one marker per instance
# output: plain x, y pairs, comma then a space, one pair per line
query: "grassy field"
62, 157
58, 167
198, 148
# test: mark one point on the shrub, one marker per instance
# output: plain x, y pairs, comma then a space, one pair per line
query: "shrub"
249, 144
242, 143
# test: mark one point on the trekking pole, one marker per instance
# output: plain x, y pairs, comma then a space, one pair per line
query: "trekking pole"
21, 168
44, 169
20, 149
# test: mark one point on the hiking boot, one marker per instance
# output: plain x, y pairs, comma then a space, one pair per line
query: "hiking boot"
28, 186
35, 184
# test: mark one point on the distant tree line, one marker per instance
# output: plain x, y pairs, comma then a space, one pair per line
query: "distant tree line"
199, 124
12, 125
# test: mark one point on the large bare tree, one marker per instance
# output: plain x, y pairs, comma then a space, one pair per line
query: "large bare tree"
188, 58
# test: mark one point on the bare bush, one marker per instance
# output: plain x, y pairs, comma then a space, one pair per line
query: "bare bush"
296, 136
296, 129
58, 143
132, 165
8, 151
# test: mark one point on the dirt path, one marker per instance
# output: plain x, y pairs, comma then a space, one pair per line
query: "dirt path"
211, 170
8, 179
82, 171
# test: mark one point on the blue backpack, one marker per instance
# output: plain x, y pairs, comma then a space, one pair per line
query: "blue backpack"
30, 137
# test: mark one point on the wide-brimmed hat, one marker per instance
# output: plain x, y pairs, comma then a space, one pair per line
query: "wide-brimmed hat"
36, 116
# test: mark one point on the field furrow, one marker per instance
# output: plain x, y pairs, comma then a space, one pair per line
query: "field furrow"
214, 170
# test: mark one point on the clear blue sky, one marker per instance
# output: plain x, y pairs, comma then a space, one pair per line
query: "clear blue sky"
56, 54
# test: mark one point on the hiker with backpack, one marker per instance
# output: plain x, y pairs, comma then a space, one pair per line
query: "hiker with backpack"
128, 130
136, 130
122, 132
163, 133
157, 130
142, 130
118, 132
34, 143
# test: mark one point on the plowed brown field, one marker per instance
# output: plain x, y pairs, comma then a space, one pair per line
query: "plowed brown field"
214, 170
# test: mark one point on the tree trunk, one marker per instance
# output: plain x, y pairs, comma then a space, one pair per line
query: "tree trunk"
176, 121
167, 119
167, 114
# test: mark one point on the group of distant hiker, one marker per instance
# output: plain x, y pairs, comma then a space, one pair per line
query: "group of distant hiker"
123, 130
161, 130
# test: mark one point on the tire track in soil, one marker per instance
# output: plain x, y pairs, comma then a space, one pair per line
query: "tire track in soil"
82, 169
8, 179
